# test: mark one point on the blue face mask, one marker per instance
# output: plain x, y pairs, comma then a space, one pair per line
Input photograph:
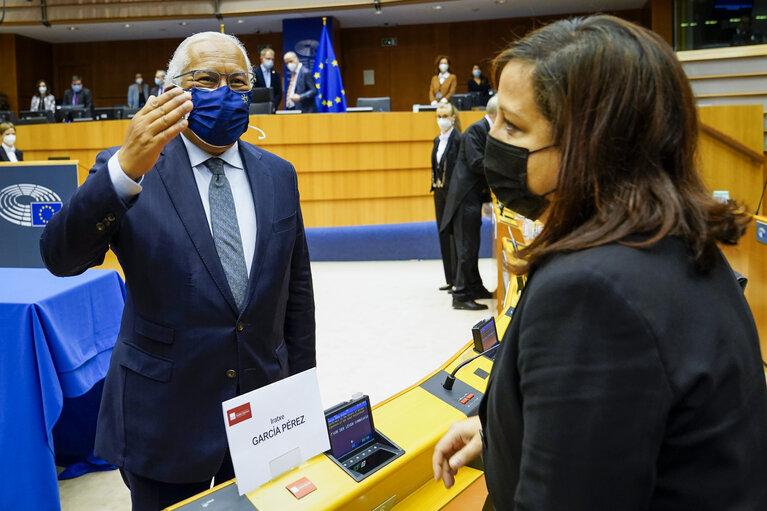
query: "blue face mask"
219, 116
77, 88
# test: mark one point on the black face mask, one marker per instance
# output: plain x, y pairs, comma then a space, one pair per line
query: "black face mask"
506, 172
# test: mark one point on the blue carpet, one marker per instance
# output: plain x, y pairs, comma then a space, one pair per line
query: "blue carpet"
388, 242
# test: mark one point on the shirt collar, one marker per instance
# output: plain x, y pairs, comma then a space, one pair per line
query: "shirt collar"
489, 122
444, 75
197, 156
446, 135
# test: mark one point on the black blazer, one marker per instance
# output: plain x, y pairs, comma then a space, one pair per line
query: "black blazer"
276, 84
84, 97
184, 347
449, 158
469, 171
628, 381
305, 88
4, 156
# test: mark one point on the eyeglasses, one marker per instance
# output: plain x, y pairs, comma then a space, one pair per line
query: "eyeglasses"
206, 79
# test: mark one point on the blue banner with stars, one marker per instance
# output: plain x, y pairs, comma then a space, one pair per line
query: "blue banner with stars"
331, 96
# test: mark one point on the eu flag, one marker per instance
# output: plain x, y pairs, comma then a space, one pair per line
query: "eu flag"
331, 96
43, 211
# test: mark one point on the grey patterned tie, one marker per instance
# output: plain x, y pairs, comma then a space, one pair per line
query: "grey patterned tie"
226, 231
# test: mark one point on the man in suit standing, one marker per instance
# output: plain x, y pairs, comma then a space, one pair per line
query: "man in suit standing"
159, 83
138, 92
267, 76
463, 208
301, 90
78, 95
209, 232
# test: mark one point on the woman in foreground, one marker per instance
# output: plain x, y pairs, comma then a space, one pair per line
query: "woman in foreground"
630, 377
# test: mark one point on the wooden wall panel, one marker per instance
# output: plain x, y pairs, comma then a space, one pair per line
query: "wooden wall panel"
721, 167
8, 81
108, 68
404, 72
34, 61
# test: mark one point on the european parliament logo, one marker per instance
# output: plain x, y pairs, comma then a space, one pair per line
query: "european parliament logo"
28, 205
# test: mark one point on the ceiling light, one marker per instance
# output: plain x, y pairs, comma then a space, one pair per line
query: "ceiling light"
240, 21
71, 28
127, 25
437, 7
500, 2
184, 23
377, 6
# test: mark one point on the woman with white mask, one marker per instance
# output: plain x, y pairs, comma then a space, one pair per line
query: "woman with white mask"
42, 99
443, 83
443, 158
8, 151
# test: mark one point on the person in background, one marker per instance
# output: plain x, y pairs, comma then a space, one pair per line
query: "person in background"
267, 76
443, 83
159, 83
301, 91
8, 151
209, 232
43, 99
78, 95
463, 211
138, 92
630, 377
443, 157
479, 83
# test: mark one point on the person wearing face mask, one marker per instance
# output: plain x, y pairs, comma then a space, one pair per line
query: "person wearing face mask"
300, 91
630, 376
8, 151
159, 83
443, 158
267, 76
43, 99
209, 232
463, 212
138, 92
480, 84
443, 83
78, 95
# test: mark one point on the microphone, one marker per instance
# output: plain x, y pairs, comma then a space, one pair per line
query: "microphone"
450, 380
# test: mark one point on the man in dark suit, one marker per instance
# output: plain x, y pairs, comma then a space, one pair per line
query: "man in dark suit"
463, 211
159, 82
219, 291
301, 89
267, 76
78, 95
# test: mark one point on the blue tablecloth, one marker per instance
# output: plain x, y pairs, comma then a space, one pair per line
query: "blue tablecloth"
56, 337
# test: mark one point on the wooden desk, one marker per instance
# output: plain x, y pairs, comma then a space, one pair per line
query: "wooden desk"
353, 169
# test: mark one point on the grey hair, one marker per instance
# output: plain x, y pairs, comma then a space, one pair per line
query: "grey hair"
180, 61
492, 106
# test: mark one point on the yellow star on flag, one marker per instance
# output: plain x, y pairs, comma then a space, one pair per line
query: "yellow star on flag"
343, 92
321, 65
338, 100
335, 63
316, 76
317, 85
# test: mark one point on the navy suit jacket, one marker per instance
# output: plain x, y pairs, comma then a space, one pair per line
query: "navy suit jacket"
183, 347
305, 88
4, 157
84, 97
276, 84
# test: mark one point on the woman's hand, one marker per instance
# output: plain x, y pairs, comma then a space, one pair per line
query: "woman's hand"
461, 444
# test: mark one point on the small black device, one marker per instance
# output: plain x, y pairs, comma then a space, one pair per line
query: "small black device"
355, 445
485, 336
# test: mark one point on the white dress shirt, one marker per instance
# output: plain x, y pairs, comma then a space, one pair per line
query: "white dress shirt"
443, 138
267, 76
11, 152
238, 181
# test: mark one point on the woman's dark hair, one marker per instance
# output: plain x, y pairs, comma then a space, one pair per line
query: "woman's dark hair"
436, 62
623, 116
37, 88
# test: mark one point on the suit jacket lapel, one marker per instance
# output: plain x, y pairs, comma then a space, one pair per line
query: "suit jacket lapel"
262, 188
176, 173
